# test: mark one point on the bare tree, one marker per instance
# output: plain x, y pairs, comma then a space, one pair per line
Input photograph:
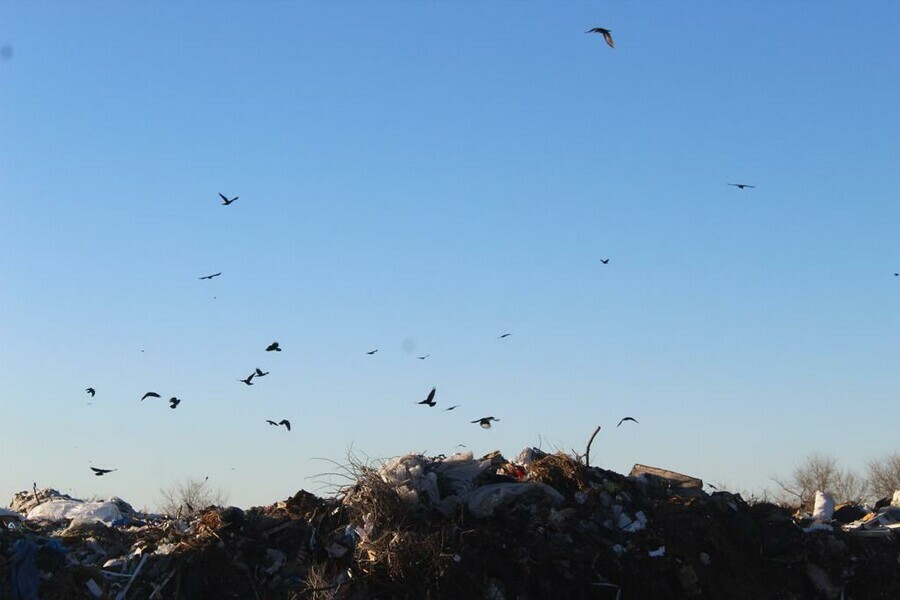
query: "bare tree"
819, 472
883, 476
190, 496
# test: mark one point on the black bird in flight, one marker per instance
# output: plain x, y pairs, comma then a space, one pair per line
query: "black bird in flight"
452, 407
210, 276
91, 391
430, 399
896, 274
260, 372
505, 335
742, 185
226, 201
273, 347
627, 419
371, 352
150, 395
606, 35
249, 380
485, 422
605, 261
423, 357
174, 402
284, 422
100, 472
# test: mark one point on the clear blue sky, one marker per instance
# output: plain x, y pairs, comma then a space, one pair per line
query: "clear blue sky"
420, 177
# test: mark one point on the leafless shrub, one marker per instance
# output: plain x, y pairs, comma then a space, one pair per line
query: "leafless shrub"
190, 496
883, 476
819, 472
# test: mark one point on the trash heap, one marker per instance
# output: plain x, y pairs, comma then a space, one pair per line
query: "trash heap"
541, 526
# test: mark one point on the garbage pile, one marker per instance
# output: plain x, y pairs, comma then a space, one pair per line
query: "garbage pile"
540, 526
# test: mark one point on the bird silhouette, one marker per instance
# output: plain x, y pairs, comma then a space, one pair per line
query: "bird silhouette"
505, 335
149, 395
273, 347
742, 185
606, 35
896, 274
452, 407
371, 352
423, 357
485, 422
627, 419
210, 276
260, 372
226, 201
101, 472
430, 399
284, 422
91, 391
249, 380
174, 402
605, 261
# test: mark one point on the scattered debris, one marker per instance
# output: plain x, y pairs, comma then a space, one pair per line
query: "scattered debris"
541, 526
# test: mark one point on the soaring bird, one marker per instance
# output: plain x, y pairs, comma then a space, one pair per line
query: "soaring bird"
273, 347
249, 380
627, 419
150, 395
226, 201
100, 472
742, 185
423, 357
505, 335
174, 402
260, 372
91, 391
284, 422
606, 35
430, 399
371, 352
452, 407
605, 261
210, 276
896, 274
485, 422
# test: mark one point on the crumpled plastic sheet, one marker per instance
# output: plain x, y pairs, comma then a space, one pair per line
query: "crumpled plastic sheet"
107, 513
482, 501
24, 572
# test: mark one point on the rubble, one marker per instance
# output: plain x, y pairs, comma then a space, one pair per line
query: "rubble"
542, 526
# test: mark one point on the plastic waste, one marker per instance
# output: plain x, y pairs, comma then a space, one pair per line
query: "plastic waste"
823, 509
24, 572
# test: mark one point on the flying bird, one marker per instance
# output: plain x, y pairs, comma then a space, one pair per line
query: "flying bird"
452, 407
101, 472
505, 335
605, 261
742, 185
627, 419
91, 391
249, 380
150, 395
284, 422
606, 35
423, 357
485, 422
174, 402
210, 276
430, 399
226, 201
273, 347
260, 372
371, 352
896, 274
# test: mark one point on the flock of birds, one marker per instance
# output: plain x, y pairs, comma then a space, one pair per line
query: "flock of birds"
484, 422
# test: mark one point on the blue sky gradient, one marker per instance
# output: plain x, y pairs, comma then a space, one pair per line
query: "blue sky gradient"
420, 177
